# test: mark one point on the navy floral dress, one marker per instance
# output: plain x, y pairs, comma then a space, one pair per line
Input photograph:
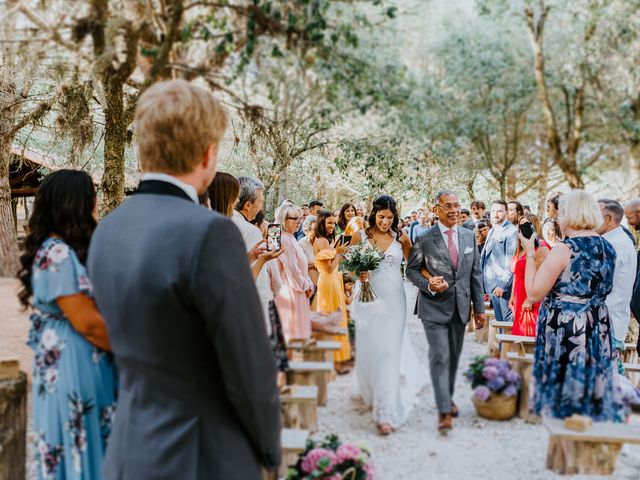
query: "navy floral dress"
574, 366
74, 383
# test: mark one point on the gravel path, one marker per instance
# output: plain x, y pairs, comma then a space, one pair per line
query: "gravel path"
476, 448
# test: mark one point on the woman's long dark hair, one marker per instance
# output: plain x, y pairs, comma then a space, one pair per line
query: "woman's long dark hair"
223, 192
63, 206
321, 227
384, 202
342, 219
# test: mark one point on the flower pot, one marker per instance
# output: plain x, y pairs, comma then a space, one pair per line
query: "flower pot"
498, 407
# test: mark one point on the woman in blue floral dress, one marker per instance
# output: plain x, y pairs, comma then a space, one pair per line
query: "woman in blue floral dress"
573, 370
74, 378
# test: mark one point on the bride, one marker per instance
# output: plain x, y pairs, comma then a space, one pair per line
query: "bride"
387, 370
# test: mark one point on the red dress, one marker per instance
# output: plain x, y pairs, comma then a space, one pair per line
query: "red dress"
524, 323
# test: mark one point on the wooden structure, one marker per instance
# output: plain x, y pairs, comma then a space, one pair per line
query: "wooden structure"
523, 364
300, 406
313, 350
593, 452
520, 343
311, 373
13, 420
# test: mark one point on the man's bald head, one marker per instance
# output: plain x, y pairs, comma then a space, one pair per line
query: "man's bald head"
632, 212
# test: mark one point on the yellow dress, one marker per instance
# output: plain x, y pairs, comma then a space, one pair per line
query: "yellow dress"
330, 298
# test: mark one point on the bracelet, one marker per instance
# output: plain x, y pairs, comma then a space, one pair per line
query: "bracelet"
531, 255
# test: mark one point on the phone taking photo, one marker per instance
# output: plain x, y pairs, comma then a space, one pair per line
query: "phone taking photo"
274, 237
526, 229
344, 240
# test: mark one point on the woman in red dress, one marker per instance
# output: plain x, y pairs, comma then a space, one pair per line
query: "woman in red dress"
525, 314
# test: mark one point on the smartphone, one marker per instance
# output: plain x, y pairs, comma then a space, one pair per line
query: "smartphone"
526, 229
344, 239
274, 236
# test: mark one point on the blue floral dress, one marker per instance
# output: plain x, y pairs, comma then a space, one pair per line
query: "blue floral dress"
574, 366
74, 383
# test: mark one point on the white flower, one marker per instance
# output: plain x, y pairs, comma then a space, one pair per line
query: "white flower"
58, 252
51, 375
49, 339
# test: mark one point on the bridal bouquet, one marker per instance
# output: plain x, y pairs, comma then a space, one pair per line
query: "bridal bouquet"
362, 258
332, 460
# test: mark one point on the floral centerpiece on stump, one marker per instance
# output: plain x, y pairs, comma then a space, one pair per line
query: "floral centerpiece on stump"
330, 459
495, 387
360, 258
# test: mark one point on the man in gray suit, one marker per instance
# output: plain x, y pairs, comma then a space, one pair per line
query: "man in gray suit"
495, 261
444, 266
198, 396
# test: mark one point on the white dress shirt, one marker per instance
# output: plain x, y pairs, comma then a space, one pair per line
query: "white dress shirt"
164, 177
623, 278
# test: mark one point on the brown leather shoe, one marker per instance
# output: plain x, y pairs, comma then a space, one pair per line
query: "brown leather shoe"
445, 423
454, 410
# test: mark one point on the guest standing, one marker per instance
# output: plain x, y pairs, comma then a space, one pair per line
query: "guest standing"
525, 313
619, 300
573, 368
330, 295
293, 298
74, 379
223, 193
551, 232
347, 212
308, 227
496, 261
198, 394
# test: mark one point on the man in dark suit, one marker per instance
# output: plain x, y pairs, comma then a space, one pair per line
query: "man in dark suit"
444, 265
198, 396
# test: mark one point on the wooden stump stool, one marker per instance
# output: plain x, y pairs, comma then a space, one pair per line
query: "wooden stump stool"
13, 420
523, 364
311, 373
517, 343
593, 452
300, 407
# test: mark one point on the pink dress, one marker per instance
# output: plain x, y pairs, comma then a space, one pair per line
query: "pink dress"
292, 301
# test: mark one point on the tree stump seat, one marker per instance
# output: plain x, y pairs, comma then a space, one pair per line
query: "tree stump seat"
311, 373
316, 350
300, 406
294, 442
13, 420
521, 344
593, 452
523, 364
630, 353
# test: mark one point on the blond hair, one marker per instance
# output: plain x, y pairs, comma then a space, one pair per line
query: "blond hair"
579, 210
175, 123
286, 210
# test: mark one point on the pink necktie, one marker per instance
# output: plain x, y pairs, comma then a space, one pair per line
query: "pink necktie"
453, 249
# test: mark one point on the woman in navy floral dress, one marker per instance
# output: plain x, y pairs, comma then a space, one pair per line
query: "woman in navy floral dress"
74, 378
573, 369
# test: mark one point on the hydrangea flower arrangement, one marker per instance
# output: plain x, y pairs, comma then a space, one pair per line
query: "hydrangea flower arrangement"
329, 459
490, 375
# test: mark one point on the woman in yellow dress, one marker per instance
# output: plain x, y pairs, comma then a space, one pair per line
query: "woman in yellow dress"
330, 295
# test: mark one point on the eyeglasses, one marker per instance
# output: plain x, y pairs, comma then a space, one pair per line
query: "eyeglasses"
449, 206
294, 218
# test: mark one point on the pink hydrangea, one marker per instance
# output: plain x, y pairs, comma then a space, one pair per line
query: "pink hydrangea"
312, 459
348, 452
369, 470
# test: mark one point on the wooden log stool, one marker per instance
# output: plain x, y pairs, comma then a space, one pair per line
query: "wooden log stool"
13, 420
300, 406
632, 372
592, 452
517, 343
311, 373
313, 350
630, 354
294, 443
523, 364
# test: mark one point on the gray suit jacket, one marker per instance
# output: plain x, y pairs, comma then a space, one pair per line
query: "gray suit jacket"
198, 396
465, 283
495, 261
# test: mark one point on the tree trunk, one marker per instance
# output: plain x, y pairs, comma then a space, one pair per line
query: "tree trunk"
13, 426
542, 185
8, 240
634, 161
115, 140
510, 186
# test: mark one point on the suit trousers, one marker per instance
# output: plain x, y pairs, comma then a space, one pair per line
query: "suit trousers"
501, 308
445, 346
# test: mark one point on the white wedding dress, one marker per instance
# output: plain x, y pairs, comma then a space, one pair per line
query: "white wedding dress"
389, 377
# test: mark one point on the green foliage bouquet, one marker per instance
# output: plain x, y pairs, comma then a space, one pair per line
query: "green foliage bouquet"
360, 258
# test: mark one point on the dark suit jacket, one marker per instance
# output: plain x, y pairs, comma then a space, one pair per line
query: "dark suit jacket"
465, 283
198, 396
